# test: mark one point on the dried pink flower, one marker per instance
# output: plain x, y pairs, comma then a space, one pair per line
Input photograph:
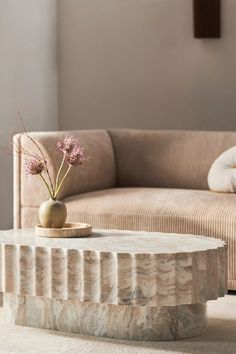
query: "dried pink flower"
76, 157
67, 145
72, 150
35, 166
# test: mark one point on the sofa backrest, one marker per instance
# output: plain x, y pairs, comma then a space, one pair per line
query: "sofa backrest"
172, 159
99, 172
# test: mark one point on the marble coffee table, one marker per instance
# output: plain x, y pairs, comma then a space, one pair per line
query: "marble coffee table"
119, 284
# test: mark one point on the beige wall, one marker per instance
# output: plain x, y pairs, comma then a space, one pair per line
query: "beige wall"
135, 63
122, 63
28, 78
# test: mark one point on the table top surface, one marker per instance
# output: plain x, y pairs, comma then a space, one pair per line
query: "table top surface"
117, 241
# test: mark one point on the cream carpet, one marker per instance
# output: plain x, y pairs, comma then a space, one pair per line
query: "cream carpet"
219, 338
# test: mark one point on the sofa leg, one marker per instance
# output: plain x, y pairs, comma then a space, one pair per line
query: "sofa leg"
1, 299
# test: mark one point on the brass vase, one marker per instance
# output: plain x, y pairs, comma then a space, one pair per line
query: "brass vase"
52, 214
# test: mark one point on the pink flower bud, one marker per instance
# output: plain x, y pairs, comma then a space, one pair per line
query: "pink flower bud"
76, 157
34, 166
67, 145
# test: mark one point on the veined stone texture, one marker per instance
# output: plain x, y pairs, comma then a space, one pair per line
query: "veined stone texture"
114, 267
114, 321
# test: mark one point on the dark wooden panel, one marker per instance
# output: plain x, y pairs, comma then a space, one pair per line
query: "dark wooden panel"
207, 18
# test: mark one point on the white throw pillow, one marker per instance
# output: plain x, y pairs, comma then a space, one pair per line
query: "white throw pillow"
222, 174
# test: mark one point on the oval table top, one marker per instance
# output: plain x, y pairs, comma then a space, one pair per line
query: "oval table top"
117, 241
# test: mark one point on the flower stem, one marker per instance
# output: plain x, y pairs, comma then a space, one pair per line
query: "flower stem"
59, 172
48, 188
40, 151
44, 159
63, 179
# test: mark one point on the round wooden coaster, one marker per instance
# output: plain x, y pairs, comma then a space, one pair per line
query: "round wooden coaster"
69, 230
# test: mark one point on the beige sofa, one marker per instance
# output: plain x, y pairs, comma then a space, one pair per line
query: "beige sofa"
139, 180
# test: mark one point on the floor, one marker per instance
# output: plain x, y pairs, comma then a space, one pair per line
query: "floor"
220, 337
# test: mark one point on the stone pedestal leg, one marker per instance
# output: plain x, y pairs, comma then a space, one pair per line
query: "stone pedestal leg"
114, 321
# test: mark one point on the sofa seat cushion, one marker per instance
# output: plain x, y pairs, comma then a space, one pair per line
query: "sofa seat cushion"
153, 209
167, 210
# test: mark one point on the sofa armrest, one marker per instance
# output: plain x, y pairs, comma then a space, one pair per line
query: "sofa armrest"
99, 171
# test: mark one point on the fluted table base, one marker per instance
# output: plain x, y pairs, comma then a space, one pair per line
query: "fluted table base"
113, 321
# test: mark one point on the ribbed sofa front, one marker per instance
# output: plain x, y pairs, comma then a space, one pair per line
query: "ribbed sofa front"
137, 180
